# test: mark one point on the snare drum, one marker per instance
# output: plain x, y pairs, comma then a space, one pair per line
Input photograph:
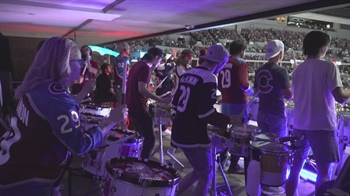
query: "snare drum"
275, 161
268, 137
96, 110
160, 113
344, 127
112, 147
240, 136
89, 121
131, 176
218, 141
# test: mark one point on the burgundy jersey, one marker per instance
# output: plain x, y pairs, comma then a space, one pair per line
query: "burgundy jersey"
233, 81
45, 128
139, 72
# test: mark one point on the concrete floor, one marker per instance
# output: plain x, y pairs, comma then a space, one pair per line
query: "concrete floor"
87, 186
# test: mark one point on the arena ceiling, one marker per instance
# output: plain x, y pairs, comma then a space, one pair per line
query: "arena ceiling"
107, 21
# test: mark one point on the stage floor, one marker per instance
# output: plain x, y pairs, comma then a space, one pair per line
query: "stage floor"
88, 187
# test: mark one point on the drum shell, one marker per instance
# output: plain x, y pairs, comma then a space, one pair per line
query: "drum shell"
95, 160
290, 117
118, 182
95, 110
344, 127
240, 138
159, 114
275, 166
220, 142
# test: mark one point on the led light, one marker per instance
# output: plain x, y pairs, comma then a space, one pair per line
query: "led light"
103, 51
307, 175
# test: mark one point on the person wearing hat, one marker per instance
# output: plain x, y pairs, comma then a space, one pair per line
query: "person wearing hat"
90, 68
202, 52
120, 61
193, 103
317, 86
137, 95
272, 83
182, 65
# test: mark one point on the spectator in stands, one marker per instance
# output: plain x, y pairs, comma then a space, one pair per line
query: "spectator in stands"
104, 89
90, 68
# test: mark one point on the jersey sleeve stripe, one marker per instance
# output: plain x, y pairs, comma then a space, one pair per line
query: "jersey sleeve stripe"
206, 114
35, 108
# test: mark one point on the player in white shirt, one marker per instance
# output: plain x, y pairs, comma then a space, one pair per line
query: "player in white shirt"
316, 86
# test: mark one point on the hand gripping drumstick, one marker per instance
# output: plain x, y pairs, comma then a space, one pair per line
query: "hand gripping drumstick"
249, 103
87, 64
160, 83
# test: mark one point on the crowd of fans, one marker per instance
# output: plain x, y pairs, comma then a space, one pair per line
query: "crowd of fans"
256, 37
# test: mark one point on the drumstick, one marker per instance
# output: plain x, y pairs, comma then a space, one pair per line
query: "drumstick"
249, 103
160, 83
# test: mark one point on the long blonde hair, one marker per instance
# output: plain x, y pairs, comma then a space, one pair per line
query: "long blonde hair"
51, 64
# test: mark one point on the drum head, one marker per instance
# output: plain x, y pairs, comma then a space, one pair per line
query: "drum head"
116, 134
138, 172
271, 147
265, 137
244, 131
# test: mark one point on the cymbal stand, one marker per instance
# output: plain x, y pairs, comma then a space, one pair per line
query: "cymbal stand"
160, 149
214, 187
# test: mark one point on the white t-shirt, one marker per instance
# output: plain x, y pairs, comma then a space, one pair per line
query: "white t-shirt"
313, 82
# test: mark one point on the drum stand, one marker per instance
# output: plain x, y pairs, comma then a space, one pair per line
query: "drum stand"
214, 187
160, 148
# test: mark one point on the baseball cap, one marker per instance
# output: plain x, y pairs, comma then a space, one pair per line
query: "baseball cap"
155, 52
216, 53
273, 48
122, 46
187, 52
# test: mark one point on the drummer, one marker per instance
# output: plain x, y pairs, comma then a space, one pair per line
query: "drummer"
233, 90
46, 128
315, 116
272, 83
193, 103
137, 95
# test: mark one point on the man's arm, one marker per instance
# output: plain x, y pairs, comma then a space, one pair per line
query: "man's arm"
340, 95
286, 88
243, 76
143, 89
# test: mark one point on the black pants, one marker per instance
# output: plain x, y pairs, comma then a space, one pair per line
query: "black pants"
143, 124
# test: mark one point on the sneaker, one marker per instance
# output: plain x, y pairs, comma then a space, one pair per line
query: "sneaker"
166, 132
237, 170
269, 190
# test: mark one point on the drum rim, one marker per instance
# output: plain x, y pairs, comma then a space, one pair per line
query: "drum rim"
269, 151
129, 141
133, 180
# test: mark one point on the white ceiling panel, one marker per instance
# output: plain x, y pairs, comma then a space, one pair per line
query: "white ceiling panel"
102, 21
